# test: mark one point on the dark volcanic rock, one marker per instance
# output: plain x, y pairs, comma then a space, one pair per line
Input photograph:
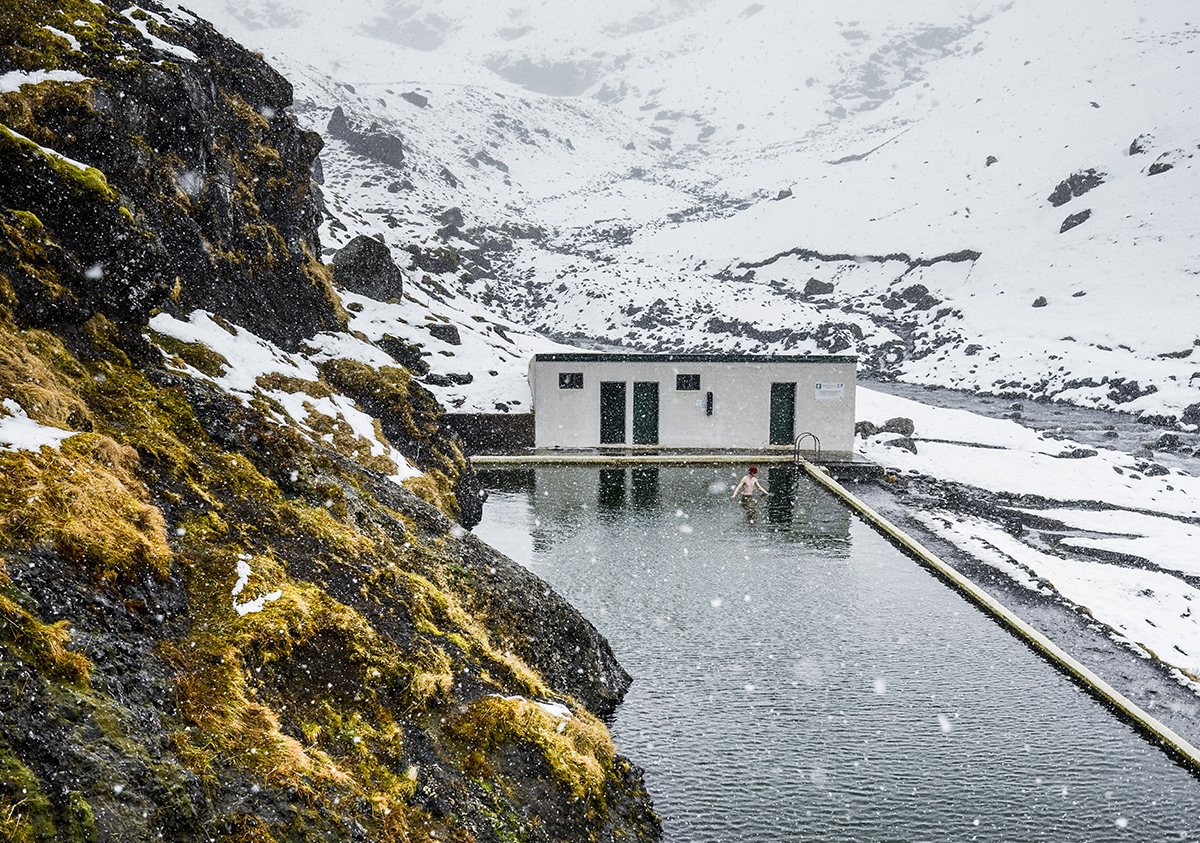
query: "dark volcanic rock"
1167, 442
904, 442
1074, 185
407, 355
106, 263
446, 333
372, 142
1122, 391
1191, 414
836, 337
901, 425
865, 429
241, 246
437, 260
365, 266
813, 287
452, 218
1161, 165
1074, 220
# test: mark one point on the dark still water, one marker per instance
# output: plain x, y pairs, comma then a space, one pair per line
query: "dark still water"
797, 678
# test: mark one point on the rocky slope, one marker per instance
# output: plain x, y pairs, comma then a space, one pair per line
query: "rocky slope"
241, 606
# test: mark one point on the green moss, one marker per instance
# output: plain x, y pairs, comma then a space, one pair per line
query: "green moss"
197, 355
83, 182
577, 749
84, 499
81, 822
46, 394
30, 253
44, 646
410, 420
26, 815
321, 276
103, 34
30, 221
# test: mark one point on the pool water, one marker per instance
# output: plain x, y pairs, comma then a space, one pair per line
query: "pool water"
798, 678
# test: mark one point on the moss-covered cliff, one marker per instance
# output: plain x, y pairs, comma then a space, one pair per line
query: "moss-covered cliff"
218, 620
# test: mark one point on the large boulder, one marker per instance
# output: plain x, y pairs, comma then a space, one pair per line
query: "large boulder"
1191, 414
1074, 185
1074, 220
365, 266
901, 425
373, 142
813, 287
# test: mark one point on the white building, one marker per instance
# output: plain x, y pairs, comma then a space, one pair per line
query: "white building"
705, 401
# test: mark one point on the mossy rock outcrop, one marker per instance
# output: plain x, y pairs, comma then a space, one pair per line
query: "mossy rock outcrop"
218, 621
196, 149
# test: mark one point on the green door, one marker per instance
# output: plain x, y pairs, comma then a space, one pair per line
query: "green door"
612, 413
645, 413
783, 413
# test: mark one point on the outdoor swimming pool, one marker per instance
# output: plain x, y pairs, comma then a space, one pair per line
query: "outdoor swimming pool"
798, 678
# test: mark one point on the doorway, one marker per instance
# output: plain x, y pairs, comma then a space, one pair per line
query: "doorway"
612, 413
645, 413
783, 413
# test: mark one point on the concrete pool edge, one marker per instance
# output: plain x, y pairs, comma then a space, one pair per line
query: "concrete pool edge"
1175, 744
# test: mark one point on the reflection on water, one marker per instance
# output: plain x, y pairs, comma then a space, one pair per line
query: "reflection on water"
796, 678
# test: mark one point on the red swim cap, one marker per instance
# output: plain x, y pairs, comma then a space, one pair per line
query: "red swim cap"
753, 470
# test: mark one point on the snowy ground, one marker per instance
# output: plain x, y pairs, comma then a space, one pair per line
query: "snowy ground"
1112, 532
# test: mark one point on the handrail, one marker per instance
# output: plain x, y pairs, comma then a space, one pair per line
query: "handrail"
801, 438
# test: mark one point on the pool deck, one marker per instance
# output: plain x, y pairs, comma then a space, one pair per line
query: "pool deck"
840, 465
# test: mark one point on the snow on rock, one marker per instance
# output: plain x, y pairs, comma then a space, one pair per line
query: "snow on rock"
248, 358
1152, 610
14, 79
554, 709
257, 604
18, 432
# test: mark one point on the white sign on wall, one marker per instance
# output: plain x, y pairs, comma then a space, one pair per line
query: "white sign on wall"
830, 391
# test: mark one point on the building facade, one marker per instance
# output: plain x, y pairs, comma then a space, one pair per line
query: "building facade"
702, 401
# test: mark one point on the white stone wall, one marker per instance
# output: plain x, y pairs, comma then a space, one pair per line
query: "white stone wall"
741, 387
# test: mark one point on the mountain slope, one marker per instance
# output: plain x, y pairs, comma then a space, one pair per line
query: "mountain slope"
658, 152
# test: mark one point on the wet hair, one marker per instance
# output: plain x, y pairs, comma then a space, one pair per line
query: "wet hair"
753, 470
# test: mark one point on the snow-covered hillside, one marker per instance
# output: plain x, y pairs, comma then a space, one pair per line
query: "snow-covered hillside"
987, 195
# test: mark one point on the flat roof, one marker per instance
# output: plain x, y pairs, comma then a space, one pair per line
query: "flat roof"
595, 357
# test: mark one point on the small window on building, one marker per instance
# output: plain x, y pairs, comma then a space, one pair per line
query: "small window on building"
570, 380
687, 383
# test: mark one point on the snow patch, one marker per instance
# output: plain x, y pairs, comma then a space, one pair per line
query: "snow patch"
18, 432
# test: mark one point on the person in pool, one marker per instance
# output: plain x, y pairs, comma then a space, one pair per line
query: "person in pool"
747, 485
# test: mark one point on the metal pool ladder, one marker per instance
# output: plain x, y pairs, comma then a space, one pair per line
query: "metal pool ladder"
816, 446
